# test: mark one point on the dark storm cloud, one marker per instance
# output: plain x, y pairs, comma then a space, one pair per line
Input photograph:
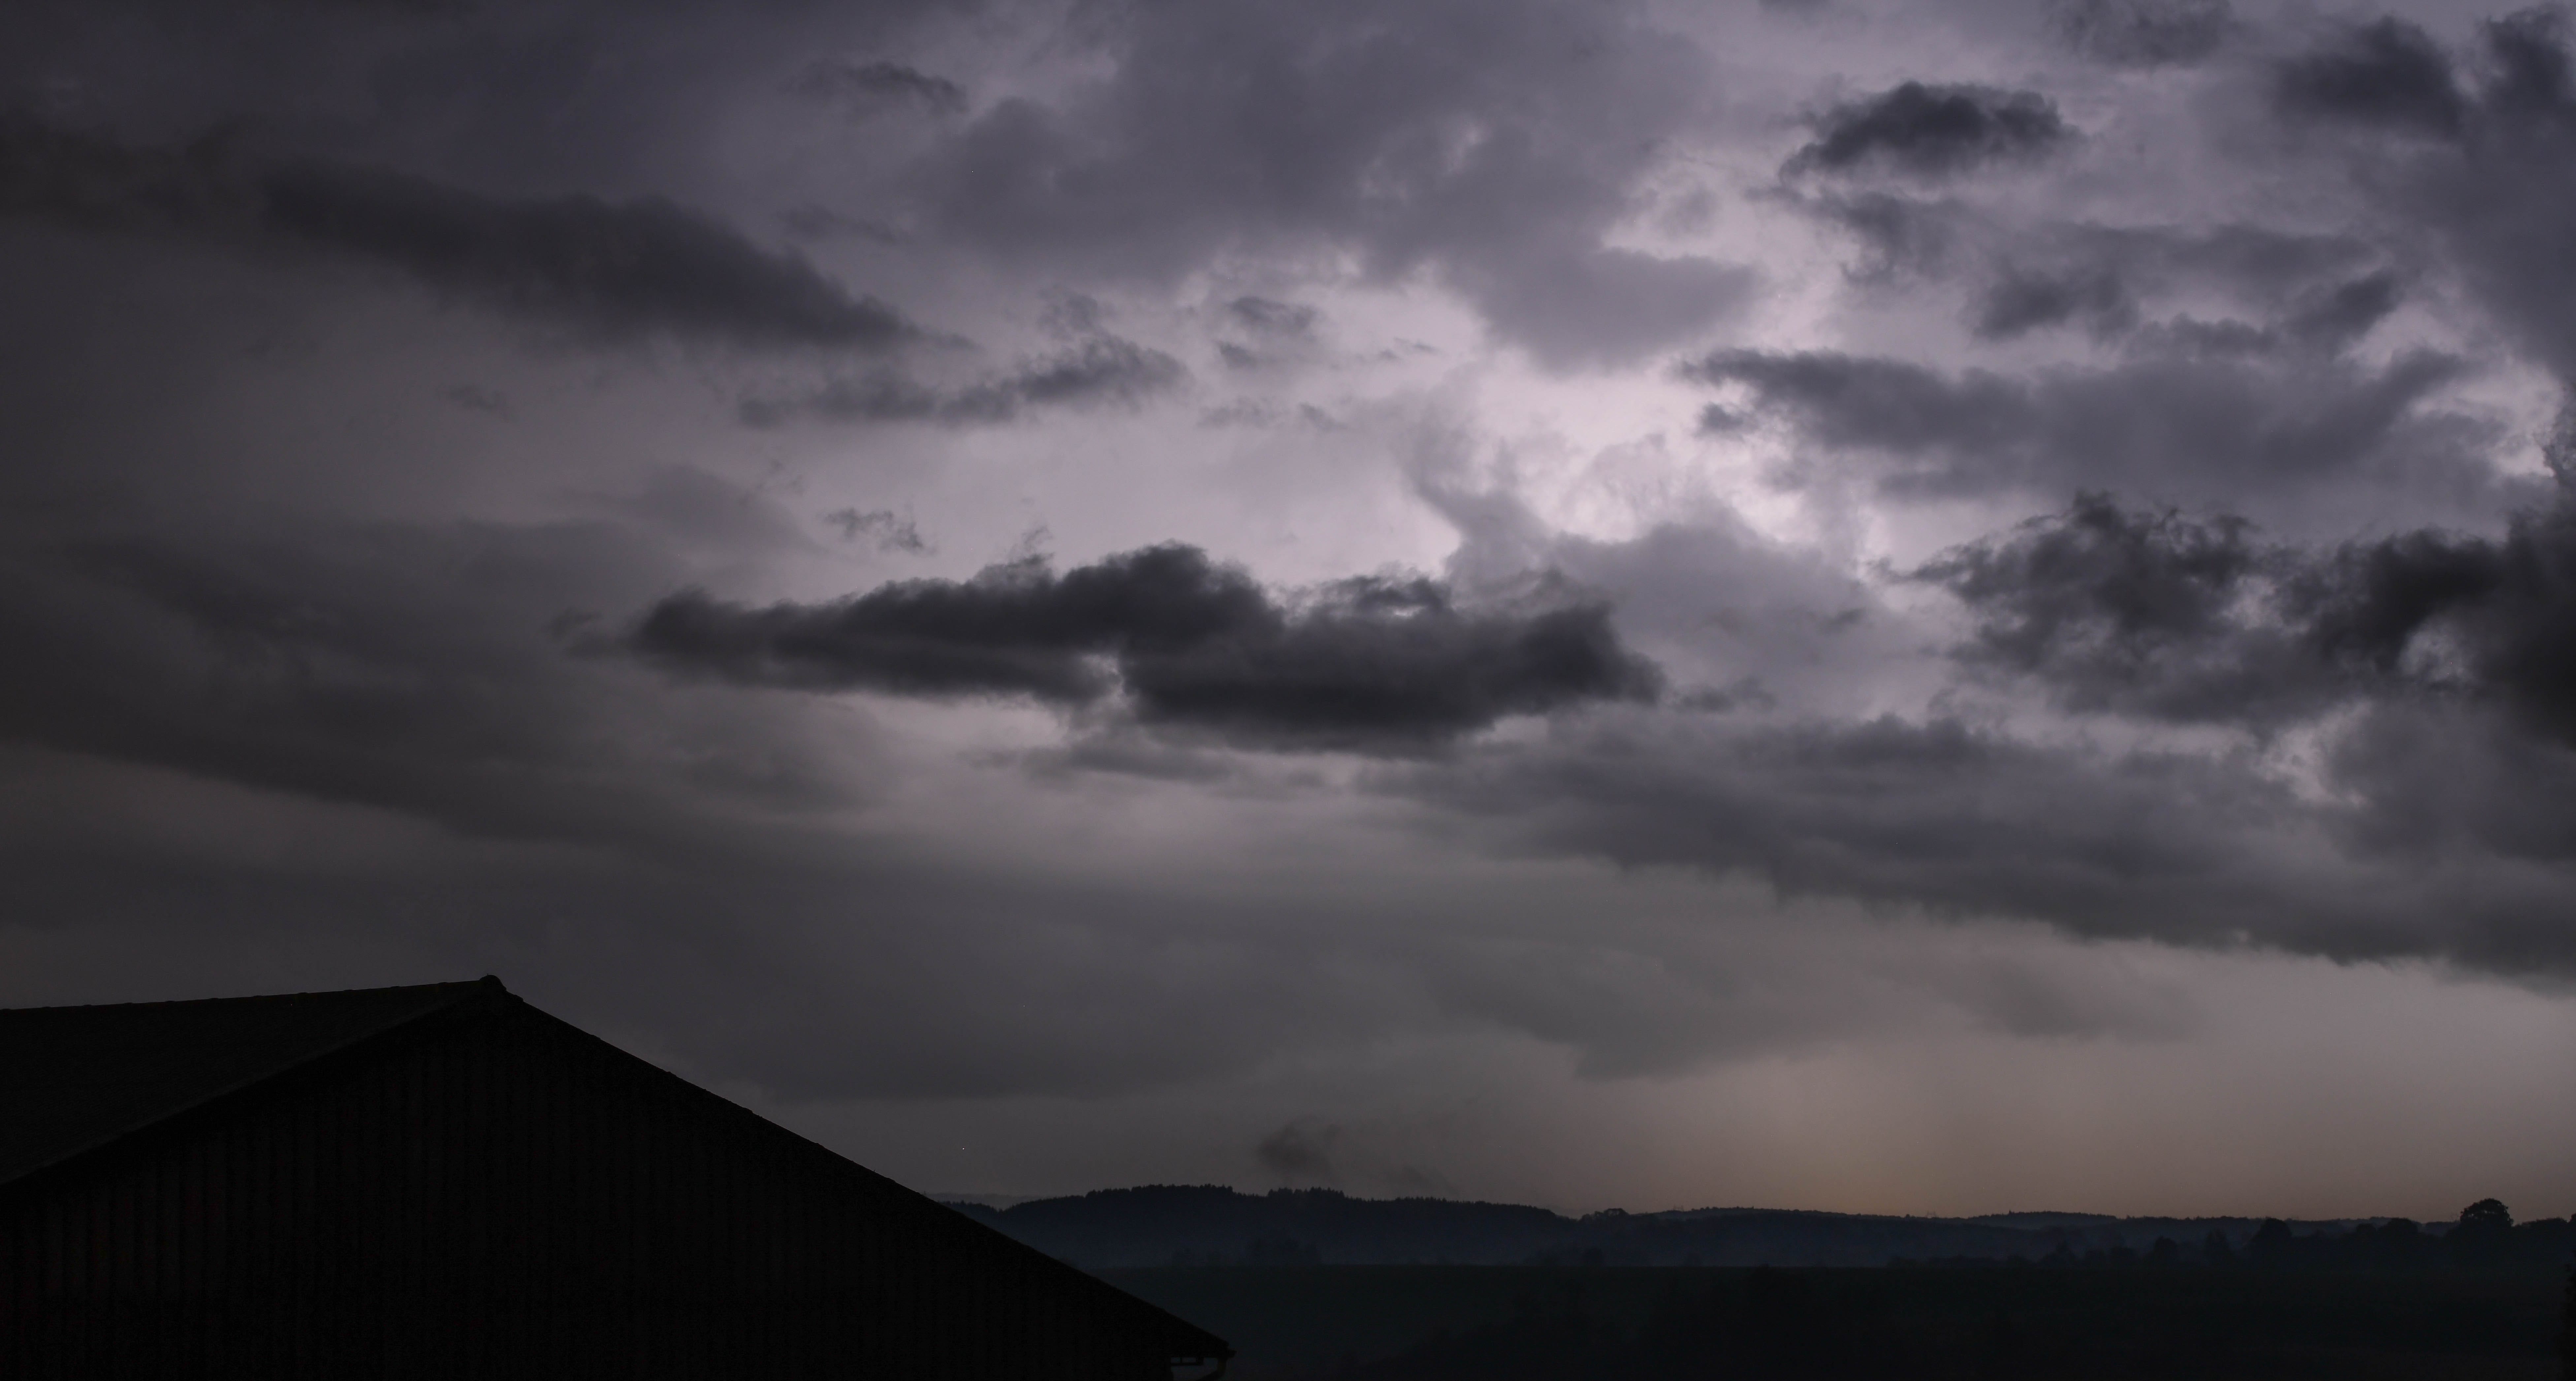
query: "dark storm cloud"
612, 269
2437, 828
1936, 814
332, 754
814, 221
2533, 71
618, 268
1495, 144
869, 87
2158, 614
2506, 608
1907, 240
2201, 412
2497, 198
402, 667
2143, 613
1300, 1150
1264, 317
1371, 662
2284, 290
1101, 371
1850, 400
2337, 318
881, 526
1281, 333
2018, 304
95, 183
741, 955
1932, 131
559, 94
2429, 785
359, 752
2388, 74
1958, 820
2101, 293
1904, 237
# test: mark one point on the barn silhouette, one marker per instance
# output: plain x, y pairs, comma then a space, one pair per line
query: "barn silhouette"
443, 1181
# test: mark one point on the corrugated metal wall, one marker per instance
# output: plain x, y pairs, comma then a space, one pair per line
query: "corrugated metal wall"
492, 1193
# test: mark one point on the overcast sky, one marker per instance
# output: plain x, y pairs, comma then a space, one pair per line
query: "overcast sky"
1926, 608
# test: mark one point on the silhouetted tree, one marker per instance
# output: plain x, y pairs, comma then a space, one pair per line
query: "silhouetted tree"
2270, 1246
2483, 1236
2214, 1249
2396, 1245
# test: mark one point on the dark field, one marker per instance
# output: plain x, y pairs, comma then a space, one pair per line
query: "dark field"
1505, 1323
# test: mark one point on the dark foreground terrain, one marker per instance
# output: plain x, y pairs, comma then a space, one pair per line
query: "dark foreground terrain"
1548, 1323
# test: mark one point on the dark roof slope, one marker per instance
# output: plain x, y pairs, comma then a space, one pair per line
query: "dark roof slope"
75, 1078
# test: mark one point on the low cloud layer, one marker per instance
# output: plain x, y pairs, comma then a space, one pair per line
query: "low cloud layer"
612, 269
2387, 73
2202, 412
2173, 617
1932, 131
1101, 371
617, 268
873, 87
1372, 662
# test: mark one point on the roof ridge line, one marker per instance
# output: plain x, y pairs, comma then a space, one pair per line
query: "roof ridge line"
465, 990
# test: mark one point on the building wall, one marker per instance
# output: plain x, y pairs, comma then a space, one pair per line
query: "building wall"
492, 1193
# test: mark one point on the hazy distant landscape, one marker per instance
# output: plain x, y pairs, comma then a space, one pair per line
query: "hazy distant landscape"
1315, 1283
1214, 1226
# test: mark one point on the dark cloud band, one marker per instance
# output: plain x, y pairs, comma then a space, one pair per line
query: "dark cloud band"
2201, 410
616, 269
619, 268
1932, 131
2176, 618
1102, 371
1372, 662
2388, 74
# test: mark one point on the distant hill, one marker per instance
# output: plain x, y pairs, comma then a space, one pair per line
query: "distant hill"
1165, 1225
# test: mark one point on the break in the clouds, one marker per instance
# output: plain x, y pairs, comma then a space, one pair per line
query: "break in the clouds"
1388, 577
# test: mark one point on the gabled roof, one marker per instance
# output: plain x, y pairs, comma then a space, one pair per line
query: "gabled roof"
73, 1079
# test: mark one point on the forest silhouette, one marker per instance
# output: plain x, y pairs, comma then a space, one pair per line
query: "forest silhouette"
2480, 1297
